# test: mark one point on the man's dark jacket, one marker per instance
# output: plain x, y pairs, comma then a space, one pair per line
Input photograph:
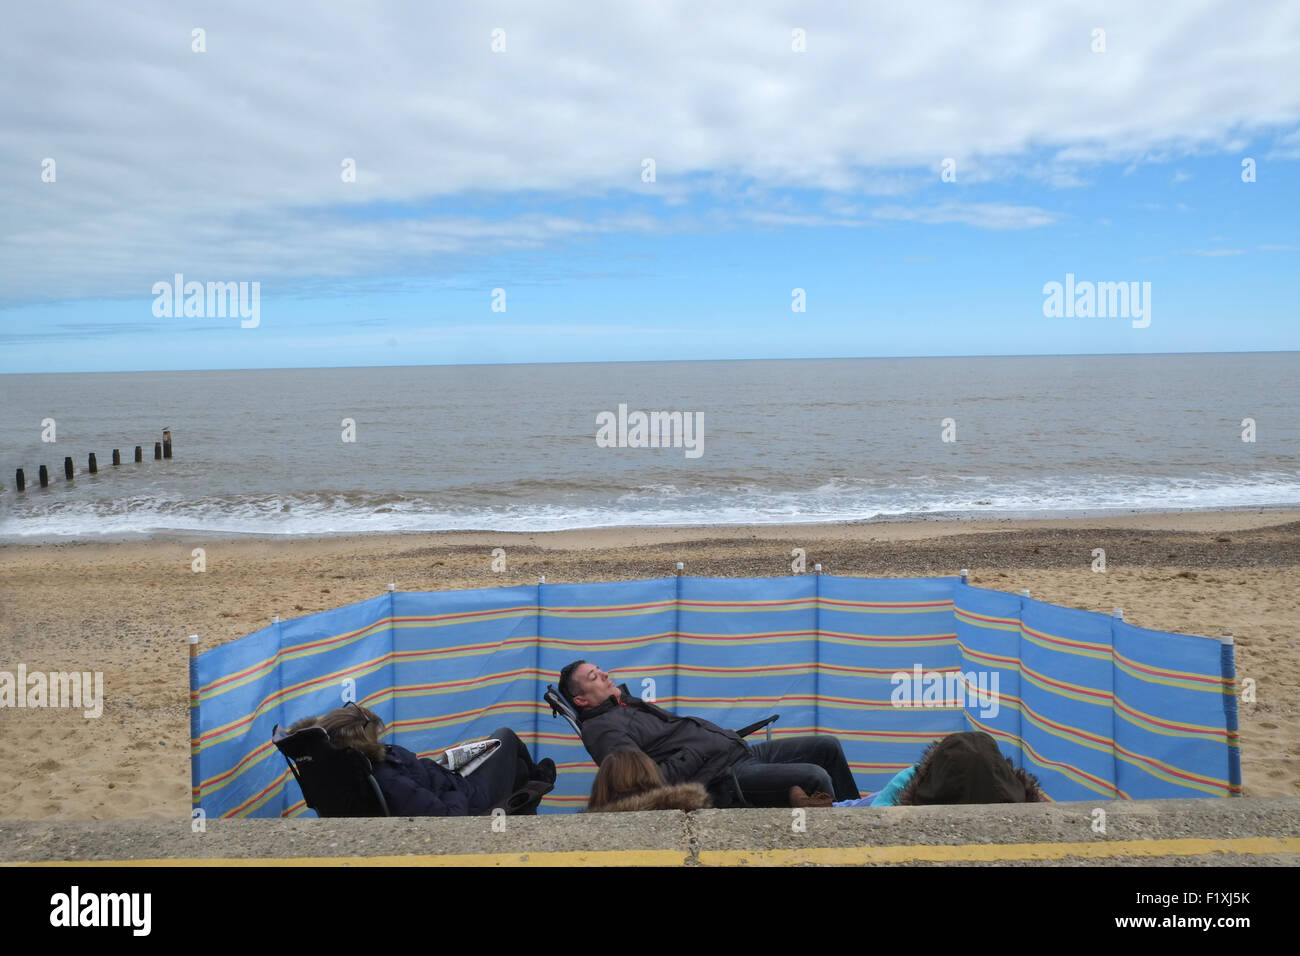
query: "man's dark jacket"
687, 749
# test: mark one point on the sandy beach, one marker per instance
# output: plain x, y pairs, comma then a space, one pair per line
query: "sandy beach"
126, 609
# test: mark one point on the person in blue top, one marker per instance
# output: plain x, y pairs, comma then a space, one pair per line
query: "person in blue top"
965, 767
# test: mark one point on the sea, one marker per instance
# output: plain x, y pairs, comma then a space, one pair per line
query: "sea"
294, 452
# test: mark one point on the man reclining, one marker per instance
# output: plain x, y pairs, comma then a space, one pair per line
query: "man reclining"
691, 750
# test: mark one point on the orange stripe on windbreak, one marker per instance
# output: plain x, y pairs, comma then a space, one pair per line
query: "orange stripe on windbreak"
374, 664
754, 635
794, 700
1072, 731
1065, 642
1189, 676
839, 602
284, 692
612, 643
1216, 782
688, 669
275, 658
1138, 717
890, 638
472, 681
901, 736
784, 602
987, 617
258, 797
248, 760
389, 620
507, 644
518, 609
1103, 696
809, 667
466, 715
812, 601
605, 608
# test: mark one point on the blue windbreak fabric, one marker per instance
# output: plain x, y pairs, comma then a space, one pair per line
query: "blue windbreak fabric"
1094, 707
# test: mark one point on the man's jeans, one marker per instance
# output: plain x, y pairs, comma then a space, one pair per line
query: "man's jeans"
813, 763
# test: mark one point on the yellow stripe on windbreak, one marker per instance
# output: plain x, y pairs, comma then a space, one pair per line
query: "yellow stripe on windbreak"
824, 856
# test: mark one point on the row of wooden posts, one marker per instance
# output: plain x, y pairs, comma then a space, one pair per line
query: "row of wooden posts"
161, 449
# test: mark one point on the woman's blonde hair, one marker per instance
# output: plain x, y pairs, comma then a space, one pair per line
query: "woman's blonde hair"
351, 726
625, 772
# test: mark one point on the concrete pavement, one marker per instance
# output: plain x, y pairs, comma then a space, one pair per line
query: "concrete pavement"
1247, 832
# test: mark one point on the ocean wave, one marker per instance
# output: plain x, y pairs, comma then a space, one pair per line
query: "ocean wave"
540, 506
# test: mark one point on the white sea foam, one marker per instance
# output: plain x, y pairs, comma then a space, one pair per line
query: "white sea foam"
836, 500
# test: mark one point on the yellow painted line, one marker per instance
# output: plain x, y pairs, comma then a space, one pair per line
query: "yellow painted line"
562, 858
826, 856
998, 852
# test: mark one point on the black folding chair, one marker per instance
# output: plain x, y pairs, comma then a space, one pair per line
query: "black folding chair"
335, 782
726, 796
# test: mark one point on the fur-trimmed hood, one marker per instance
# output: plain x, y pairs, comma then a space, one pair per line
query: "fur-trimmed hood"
968, 768
682, 796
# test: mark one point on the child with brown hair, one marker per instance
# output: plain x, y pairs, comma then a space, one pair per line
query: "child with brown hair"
630, 780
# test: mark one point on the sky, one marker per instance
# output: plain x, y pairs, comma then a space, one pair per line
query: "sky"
412, 183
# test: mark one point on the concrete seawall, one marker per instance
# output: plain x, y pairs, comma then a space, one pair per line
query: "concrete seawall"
1245, 832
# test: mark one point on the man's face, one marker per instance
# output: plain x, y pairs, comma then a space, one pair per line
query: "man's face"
594, 686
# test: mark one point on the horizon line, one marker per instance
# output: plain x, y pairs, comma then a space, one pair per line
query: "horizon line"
809, 358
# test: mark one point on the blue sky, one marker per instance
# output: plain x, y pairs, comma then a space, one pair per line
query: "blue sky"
521, 169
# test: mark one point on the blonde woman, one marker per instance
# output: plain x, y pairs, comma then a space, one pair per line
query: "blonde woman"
418, 787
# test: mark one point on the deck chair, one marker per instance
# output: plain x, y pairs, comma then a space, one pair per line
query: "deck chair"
335, 782
727, 796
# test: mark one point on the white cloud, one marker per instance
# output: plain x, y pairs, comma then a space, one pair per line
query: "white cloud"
1287, 147
226, 163
983, 215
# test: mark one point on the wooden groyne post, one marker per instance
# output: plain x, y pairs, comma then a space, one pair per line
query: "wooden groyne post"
162, 449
